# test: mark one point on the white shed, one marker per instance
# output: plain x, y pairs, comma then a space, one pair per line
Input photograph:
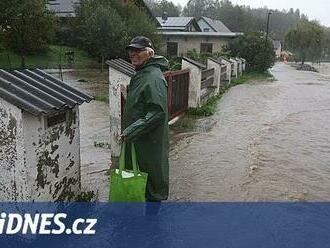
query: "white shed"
39, 137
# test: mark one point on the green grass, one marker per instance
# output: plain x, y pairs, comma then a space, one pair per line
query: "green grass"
249, 76
50, 59
209, 107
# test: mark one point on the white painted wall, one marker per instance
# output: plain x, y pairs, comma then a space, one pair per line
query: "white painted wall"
117, 83
186, 43
228, 66
52, 157
217, 73
194, 83
235, 71
12, 167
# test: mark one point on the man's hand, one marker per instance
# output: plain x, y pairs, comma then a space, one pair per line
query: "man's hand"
122, 138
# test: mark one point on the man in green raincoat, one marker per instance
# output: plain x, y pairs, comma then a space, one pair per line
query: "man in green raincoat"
145, 117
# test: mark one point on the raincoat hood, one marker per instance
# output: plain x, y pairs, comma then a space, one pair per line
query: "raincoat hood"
158, 61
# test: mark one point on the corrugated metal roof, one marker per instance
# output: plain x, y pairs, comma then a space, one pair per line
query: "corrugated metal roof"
38, 92
122, 66
175, 21
216, 25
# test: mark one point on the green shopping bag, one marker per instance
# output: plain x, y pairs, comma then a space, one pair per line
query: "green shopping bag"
127, 185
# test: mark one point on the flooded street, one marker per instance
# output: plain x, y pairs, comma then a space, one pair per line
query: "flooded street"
271, 142
268, 141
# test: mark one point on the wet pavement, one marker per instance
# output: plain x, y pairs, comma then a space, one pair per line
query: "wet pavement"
270, 142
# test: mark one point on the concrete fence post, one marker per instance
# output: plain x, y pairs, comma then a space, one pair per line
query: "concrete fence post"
194, 83
217, 73
235, 72
117, 83
228, 69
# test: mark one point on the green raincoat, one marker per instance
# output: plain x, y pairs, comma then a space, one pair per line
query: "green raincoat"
146, 124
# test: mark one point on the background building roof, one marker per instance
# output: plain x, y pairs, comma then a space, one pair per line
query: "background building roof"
38, 92
177, 23
216, 25
63, 8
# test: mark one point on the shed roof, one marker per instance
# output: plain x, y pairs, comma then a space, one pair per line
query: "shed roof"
38, 92
216, 25
122, 66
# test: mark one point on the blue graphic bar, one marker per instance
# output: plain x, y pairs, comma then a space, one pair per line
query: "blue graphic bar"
177, 225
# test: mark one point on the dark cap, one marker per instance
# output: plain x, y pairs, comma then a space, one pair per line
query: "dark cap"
140, 42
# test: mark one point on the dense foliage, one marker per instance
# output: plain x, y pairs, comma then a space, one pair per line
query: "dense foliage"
159, 7
104, 28
27, 27
307, 41
258, 52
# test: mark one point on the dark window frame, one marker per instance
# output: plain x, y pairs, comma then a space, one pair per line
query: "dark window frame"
206, 48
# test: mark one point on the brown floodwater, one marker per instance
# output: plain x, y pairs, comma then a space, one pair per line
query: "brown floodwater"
270, 142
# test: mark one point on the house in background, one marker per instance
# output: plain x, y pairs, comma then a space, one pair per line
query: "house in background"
277, 48
66, 8
63, 8
182, 34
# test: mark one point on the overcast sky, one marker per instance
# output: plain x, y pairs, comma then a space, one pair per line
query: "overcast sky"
314, 9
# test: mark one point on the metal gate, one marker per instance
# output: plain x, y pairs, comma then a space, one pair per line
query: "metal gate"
178, 91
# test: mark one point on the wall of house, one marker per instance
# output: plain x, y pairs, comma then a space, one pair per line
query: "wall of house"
12, 170
52, 157
186, 43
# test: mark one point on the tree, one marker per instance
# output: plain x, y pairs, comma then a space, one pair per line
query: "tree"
258, 52
100, 30
103, 28
159, 7
199, 8
306, 40
27, 26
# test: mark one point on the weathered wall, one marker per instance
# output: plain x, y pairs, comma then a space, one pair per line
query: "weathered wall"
194, 83
186, 43
52, 157
117, 84
12, 169
217, 73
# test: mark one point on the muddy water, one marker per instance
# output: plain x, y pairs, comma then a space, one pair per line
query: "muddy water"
94, 127
270, 142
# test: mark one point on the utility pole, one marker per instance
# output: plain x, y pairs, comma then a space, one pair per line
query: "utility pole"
267, 29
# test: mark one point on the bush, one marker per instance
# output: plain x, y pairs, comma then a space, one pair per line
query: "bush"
258, 52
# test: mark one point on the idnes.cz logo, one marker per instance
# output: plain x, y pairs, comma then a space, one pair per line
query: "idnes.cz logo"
44, 223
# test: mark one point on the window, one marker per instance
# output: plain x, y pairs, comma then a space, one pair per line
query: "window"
206, 47
172, 49
206, 30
